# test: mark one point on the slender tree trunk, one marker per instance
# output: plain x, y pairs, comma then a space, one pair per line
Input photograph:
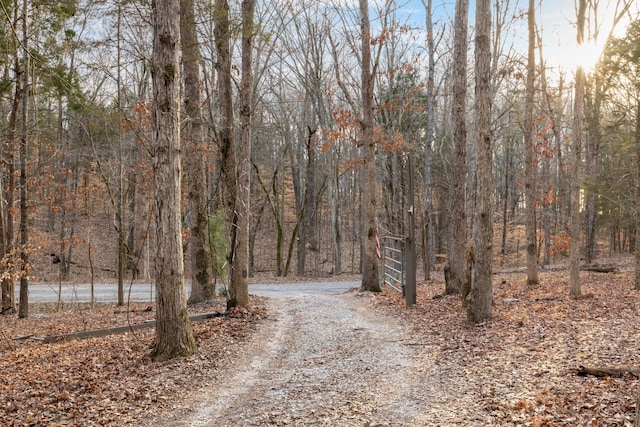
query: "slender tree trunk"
310, 198
505, 197
334, 207
202, 286
8, 285
593, 169
174, 337
132, 214
370, 279
546, 211
530, 157
23, 311
225, 133
458, 218
479, 307
238, 295
637, 142
427, 237
549, 207
299, 188
578, 107
120, 203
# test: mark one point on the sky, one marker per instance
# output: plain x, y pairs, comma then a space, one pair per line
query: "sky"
556, 18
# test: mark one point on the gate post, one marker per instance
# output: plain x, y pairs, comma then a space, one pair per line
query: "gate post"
410, 287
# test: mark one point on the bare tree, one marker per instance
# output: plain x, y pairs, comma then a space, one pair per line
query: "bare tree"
529, 156
455, 272
7, 201
23, 311
225, 132
174, 337
238, 285
479, 307
370, 279
578, 108
427, 231
202, 287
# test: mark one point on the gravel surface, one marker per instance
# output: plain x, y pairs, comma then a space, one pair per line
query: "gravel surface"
319, 360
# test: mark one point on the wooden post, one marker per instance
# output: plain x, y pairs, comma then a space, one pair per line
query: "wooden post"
410, 286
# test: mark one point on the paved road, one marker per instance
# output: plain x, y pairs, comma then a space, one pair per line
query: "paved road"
141, 292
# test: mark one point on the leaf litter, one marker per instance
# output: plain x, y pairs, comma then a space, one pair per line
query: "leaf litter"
518, 369
108, 380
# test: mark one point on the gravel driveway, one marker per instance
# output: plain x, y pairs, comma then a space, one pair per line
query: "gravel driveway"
320, 360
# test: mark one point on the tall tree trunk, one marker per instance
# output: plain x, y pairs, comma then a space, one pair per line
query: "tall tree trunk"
593, 168
225, 135
23, 311
505, 195
299, 186
370, 279
202, 286
458, 218
427, 236
120, 202
334, 207
578, 107
7, 237
530, 156
480, 299
546, 211
238, 295
174, 337
310, 196
637, 142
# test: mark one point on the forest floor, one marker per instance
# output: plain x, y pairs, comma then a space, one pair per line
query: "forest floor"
355, 359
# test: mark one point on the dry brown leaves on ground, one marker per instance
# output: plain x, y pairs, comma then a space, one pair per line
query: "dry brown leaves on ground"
519, 369
521, 365
109, 380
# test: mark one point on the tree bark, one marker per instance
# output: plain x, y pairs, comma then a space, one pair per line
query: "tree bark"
7, 237
310, 198
578, 106
457, 200
23, 310
427, 237
637, 251
479, 307
225, 134
202, 286
370, 279
607, 372
174, 337
238, 295
530, 157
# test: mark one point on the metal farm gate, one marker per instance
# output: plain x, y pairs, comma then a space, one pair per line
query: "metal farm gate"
393, 262
399, 252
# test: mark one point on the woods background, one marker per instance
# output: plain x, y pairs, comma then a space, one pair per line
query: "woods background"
75, 91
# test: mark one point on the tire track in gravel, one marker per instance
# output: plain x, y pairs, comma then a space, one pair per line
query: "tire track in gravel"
325, 360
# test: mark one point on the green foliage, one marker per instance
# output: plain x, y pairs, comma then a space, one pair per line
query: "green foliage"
55, 13
218, 244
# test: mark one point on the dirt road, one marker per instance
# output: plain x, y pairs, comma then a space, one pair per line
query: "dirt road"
319, 360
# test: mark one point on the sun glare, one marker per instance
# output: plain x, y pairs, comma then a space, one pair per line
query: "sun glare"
585, 56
